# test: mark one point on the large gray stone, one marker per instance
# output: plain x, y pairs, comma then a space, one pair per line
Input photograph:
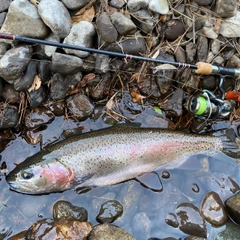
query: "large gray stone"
14, 62
81, 35
225, 8
23, 19
230, 27
4, 4
55, 16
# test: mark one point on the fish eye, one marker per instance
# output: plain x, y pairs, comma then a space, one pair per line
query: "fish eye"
26, 175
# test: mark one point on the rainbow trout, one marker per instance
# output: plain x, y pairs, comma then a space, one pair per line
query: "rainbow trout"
106, 157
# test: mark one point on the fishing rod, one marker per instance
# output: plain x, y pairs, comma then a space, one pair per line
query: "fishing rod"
206, 105
200, 67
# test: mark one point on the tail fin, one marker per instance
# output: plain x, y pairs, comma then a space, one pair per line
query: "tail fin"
229, 142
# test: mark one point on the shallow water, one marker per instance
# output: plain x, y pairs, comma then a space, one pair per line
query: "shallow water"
188, 182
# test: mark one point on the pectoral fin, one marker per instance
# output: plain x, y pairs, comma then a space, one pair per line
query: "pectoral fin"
80, 180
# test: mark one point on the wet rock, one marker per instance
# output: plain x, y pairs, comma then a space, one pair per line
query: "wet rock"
65, 210
109, 212
233, 207
231, 26
175, 29
80, 106
142, 225
174, 105
209, 82
81, 34
159, 6
213, 210
60, 23
106, 29
60, 85
108, 231
8, 116
143, 19
4, 5
225, 9
129, 45
10, 95
191, 221
75, 4
48, 229
14, 62
57, 107
65, 64
18, 236
38, 117
37, 97
23, 19
44, 71
100, 89
202, 49
124, 25
194, 238
26, 80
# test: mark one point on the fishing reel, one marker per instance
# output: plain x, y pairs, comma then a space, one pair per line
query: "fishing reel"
208, 106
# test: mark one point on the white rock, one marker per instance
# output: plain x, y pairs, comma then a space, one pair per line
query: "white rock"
55, 16
81, 34
159, 6
230, 27
135, 5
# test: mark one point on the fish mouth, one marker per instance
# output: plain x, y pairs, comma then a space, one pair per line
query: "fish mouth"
19, 188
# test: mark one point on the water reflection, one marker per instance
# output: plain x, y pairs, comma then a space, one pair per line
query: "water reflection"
144, 210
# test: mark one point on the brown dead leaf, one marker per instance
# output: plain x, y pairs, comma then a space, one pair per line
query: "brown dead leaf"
86, 15
36, 84
137, 97
135, 76
217, 25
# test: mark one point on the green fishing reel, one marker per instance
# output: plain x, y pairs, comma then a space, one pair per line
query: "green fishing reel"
208, 106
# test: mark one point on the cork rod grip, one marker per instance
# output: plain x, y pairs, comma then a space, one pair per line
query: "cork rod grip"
204, 68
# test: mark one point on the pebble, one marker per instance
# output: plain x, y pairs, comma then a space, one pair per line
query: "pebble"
195, 224
37, 117
80, 106
108, 231
9, 116
75, 4
117, 3
123, 24
65, 210
109, 212
225, 9
65, 64
22, 19
213, 210
48, 229
135, 5
60, 84
203, 2
14, 62
159, 6
81, 34
37, 97
230, 27
233, 207
4, 5
26, 80
10, 95
60, 23
175, 29
106, 29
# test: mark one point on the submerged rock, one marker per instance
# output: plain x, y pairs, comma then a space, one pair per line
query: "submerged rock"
213, 209
233, 207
